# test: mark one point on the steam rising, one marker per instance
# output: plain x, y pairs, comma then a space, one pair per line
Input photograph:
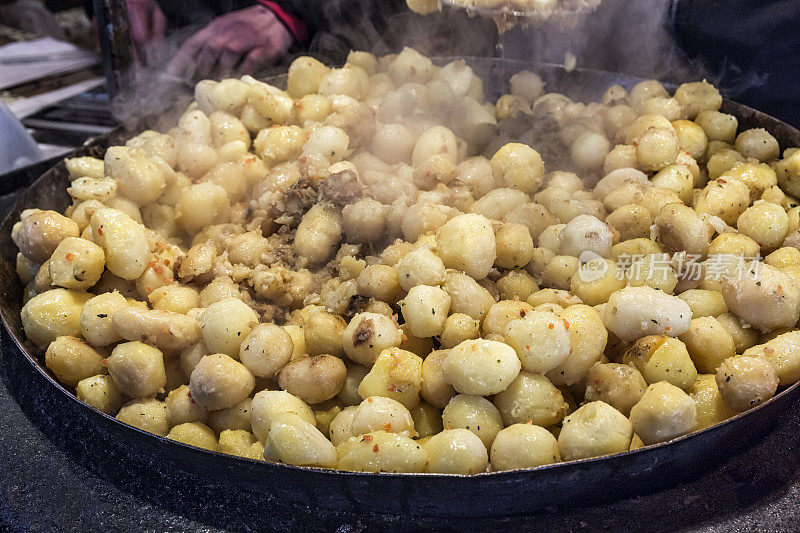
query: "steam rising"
155, 91
633, 37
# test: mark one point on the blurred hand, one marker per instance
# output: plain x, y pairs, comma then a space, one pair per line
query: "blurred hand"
147, 23
251, 38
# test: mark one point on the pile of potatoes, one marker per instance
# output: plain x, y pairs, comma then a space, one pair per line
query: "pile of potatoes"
365, 272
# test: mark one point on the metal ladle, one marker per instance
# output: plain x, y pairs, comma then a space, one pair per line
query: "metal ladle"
509, 14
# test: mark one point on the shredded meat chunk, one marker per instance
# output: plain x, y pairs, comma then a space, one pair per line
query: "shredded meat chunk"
341, 188
363, 332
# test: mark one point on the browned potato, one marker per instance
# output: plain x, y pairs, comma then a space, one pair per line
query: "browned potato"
313, 379
40, 233
620, 386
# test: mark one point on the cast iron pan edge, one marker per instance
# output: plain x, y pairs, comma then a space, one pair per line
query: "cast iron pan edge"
490, 494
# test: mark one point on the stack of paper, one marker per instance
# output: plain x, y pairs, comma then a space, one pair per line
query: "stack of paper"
32, 60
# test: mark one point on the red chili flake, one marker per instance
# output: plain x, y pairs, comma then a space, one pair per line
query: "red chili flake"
566, 324
667, 328
166, 262
69, 257
529, 421
189, 394
366, 438
391, 388
370, 399
104, 362
149, 288
375, 448
527, 346
551, 325
722, 181
522, 313
99, 231
387, 426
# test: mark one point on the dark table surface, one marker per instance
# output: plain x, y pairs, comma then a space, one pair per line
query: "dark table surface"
53, 478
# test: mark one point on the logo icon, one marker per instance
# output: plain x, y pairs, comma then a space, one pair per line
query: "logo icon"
591, 266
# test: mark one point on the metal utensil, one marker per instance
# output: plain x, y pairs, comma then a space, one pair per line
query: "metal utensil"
510, 11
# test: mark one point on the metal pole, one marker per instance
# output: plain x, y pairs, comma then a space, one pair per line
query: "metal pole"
114, 35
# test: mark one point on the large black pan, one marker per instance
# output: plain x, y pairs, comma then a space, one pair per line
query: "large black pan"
491, 494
